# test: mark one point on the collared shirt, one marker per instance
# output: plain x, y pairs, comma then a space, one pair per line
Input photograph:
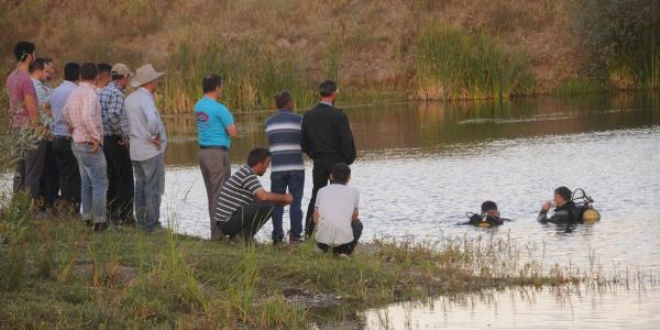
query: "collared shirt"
213, 118
57, 101
43, 93
112, 108
239, 190
19, 85
141, 123
83, 114
283, 131
336, 204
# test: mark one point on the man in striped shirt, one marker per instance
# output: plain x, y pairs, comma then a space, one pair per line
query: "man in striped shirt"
244, 205
288, 170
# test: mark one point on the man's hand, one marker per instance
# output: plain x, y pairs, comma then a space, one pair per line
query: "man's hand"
546, 207
157, 142
288, 199
95, 146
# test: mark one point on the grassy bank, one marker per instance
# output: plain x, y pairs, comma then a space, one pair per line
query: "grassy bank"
404, 49
57, 274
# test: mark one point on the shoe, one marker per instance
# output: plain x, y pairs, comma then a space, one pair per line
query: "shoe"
343, 256
88, 223
236, 239
100, 226
298, 240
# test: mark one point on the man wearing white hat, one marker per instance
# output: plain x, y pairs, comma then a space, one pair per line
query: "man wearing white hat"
145, 133
117, 156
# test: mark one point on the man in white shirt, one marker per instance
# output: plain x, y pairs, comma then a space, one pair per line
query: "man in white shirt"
145, 134
336, 214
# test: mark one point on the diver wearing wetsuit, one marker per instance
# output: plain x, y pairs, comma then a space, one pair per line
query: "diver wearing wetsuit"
489, 214
565, 212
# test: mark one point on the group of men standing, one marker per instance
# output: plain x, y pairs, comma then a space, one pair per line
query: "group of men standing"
85, 145
238, 204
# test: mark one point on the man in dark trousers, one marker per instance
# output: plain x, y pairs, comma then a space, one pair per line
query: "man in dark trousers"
327, 139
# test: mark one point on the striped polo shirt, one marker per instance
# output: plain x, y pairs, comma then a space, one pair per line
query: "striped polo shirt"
239, 191
283, 131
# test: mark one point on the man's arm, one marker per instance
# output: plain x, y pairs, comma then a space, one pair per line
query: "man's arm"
265, 196
346, 140
304, 144
316, 216
116, 104
356, 215
32, 109
232, 130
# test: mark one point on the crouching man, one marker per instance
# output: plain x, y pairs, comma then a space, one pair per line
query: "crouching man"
338, 228
244, 206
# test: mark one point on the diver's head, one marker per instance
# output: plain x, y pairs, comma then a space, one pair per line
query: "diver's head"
562, 196
490, 208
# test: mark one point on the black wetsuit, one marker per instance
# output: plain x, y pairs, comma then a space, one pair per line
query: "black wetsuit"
475, 219
567, 213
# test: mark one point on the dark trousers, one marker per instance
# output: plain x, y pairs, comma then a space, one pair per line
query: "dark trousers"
50, 185
320, 176
68, 173
295, 182
247, 220
216, 169
347, 248
29, 157
121, 188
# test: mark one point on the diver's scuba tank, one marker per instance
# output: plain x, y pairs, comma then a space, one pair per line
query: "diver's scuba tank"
479, 220
588, 214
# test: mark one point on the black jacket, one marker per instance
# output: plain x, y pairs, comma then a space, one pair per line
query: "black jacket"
567, 213
326, 134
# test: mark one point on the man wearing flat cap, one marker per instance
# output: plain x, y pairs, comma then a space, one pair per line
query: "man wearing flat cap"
145, 134
117, 156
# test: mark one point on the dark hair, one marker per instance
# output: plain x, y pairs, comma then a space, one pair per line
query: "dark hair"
104, 67
72, 72
23, 49
327, 87
564, 192
340, 173
38, 64
211, 82
88, 71
257, 156
282, 99
488, 206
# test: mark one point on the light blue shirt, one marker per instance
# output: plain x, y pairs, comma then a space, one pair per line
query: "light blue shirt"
57, 101
213, 119
142, 120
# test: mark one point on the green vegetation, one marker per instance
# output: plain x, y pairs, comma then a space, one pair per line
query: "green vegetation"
455, 66
624, 37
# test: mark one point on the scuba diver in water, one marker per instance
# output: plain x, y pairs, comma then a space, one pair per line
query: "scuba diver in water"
565, 210
489, 216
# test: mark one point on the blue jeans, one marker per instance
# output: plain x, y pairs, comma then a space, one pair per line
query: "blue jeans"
93, 181
149, 189
295, 181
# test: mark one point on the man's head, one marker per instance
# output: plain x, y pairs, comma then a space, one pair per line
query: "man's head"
89, 73
284, 100
38, 69
328, 90
72, 72
340, 174
121, 74
104, 76
490, 208
146, 77
50, 70
562, 196
212, 85
259, 160
24, 52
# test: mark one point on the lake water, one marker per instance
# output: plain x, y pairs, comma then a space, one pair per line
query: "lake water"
422, 166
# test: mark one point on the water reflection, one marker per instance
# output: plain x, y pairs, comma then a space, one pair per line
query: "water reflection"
429, 125
525, 308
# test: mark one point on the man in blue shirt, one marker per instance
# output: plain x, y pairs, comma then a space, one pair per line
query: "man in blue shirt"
215, 128
288, 169
65, 161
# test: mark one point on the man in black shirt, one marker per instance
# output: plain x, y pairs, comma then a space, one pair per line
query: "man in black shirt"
565, 212
328, 140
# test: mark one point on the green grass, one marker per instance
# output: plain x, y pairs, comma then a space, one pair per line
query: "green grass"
59, 274
455, 66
